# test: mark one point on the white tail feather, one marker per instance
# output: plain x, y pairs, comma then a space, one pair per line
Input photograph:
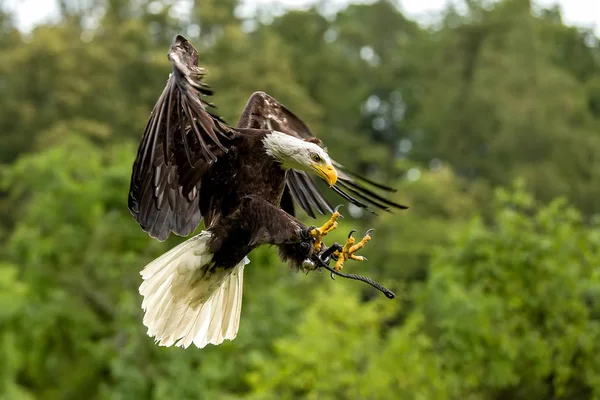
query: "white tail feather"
189, 300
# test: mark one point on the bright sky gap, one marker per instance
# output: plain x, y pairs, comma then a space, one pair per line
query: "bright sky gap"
584, 13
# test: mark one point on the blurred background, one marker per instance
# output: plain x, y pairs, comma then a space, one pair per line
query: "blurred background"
485, 115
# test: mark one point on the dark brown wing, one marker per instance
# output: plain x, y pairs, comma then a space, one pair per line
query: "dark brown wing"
264, 112
180, 142
304, 190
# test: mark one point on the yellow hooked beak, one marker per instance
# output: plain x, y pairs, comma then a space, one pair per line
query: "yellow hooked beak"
326, 172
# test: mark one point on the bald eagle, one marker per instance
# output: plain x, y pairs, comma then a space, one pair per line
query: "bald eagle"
243, 182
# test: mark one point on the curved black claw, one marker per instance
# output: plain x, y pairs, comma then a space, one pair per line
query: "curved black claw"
332, 276
336, 210
351, 232
369, 232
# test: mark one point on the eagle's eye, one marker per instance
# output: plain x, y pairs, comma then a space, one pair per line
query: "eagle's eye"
316, 158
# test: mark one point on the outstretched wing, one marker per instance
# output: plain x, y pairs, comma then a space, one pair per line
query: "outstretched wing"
179, 143
264, 112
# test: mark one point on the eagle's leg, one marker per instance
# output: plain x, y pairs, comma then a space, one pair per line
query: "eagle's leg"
320, 233
348, 250
305, 249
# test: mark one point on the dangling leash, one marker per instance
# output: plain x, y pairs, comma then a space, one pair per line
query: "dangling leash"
323, 262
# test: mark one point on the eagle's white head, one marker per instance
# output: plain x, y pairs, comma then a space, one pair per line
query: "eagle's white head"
294, 153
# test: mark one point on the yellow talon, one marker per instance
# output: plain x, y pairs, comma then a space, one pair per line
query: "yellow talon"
320, 233
349, 249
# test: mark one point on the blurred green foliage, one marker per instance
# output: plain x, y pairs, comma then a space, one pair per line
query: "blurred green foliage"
498, 289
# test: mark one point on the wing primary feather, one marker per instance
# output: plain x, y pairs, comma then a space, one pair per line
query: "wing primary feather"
221, 129
143, 149
306, 192
190, 116
211, 133
156, 126
217, 117
186, 145
317, 193
199, 86
157, 175
169, 119
161, 114
364, 178
299, 196
151, 134
374, 195
351, 199
363, 196
311, 191
196, 111
347, 197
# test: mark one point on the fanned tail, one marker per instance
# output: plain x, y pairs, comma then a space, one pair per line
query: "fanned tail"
187, 299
